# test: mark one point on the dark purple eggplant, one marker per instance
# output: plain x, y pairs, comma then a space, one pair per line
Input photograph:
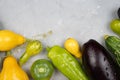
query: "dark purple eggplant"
118, 12
98, 62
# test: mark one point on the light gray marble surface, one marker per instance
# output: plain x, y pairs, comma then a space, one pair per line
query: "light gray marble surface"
81, 19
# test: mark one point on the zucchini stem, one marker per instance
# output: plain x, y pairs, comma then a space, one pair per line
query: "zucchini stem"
106, 36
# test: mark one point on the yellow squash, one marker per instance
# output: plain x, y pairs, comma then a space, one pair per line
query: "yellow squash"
11, 70
73, 47
9, 40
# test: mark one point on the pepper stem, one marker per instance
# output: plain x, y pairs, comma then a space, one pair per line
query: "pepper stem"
48, 48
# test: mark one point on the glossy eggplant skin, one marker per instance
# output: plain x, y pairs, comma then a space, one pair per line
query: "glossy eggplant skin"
98, 62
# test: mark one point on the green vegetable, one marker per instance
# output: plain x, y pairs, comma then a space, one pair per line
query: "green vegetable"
66, 63
115, 26
33, 48
41, 69
113, 45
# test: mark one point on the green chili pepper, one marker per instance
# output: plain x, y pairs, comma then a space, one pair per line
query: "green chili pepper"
66, 63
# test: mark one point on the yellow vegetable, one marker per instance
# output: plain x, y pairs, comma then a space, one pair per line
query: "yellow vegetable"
73, 47
9, 40
11, 70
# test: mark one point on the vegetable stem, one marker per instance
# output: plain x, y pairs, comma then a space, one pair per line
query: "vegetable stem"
48, 48
28, 40
106, 36
8, 53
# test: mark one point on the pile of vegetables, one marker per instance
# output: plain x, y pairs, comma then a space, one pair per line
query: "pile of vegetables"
91, 61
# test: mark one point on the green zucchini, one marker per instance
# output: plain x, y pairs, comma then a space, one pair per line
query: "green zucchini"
66, 63
113, 45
